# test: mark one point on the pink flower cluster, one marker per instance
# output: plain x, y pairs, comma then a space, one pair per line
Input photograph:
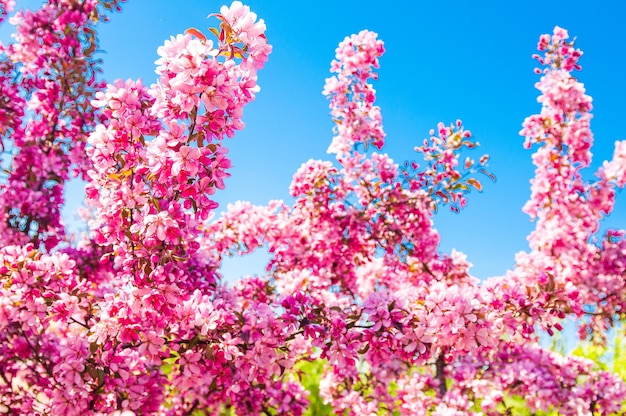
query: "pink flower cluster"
384, 307
572, 272
12, 104
151, 193
135, 319
558, 53
53, 55
445, 180
358, 120
616, 169
546, 380
44, 351
6, 7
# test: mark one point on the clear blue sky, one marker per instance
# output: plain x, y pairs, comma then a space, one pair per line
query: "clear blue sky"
445, 60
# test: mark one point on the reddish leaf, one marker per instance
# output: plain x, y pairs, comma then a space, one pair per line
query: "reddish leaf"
475, 183
215, 32
195, 32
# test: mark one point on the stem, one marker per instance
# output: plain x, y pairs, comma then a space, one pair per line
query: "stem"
440, 366
193, 407
84, 325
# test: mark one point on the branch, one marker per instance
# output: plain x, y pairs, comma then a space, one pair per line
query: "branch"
440, 366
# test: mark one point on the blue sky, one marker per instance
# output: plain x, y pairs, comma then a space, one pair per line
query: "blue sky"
445, 60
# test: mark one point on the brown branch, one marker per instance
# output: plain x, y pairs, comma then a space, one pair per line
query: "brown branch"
440, 366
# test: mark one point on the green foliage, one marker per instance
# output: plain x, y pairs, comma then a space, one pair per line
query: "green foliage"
311, 375
514, 405
619, 358
611, 357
